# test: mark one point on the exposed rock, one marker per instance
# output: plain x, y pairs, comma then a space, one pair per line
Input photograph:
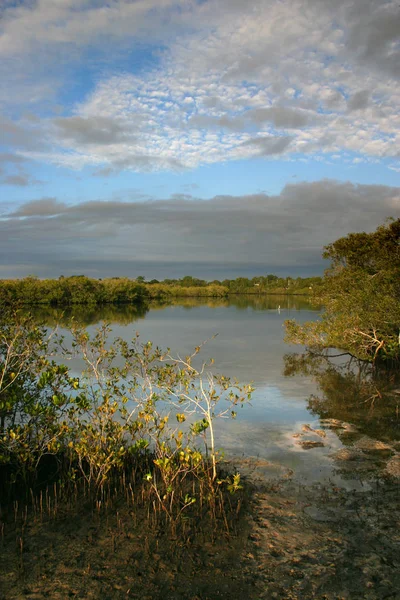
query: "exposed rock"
370, 445
347, 454
393, 467
349, 427
331, 423
320, 432
308, 429
307, 444
336, 424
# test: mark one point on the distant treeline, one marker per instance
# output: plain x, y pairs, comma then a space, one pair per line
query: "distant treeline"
268, 284
79, 289
67, 291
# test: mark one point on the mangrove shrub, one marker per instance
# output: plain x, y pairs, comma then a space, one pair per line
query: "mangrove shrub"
361, 298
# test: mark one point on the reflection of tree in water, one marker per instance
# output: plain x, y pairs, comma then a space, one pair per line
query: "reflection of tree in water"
241, 302
123, 314
361, 404
86, 315
272, 302
189, 303
352, 391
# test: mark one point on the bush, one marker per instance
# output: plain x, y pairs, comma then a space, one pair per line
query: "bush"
133, 406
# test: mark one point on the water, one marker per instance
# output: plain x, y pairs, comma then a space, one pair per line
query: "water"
244, 336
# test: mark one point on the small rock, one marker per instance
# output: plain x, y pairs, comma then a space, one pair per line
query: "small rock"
370, 445
306, 428
320, 432
393, 467
347, 454
336, 424
332, 423
307, 444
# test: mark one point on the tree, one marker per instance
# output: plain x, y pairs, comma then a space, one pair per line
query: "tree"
361, 295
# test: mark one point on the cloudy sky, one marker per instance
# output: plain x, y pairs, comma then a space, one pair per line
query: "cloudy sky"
209, 137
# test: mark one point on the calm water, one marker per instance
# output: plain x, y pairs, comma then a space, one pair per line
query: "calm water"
245, 338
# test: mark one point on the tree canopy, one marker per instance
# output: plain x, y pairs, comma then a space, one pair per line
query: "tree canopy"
361, 295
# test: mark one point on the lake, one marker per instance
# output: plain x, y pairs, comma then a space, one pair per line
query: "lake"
244, 336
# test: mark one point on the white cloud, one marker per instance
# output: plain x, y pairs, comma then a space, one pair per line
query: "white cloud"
234, 77
79, 22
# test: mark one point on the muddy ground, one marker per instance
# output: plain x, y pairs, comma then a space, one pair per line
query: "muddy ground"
290, 542
323, 542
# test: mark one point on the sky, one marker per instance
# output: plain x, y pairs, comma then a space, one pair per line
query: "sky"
214, 138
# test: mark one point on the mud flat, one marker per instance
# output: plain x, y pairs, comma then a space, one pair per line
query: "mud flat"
321, 541
289, 541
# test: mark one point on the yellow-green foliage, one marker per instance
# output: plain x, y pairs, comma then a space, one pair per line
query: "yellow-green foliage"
132, 404
160, 291
84, 291
67, 291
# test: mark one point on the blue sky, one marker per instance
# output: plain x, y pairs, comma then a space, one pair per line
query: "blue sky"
165, 137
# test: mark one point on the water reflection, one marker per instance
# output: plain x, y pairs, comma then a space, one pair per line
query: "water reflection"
361, 404
243, 302
245, 333
353, 392
124, 314
86, 315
